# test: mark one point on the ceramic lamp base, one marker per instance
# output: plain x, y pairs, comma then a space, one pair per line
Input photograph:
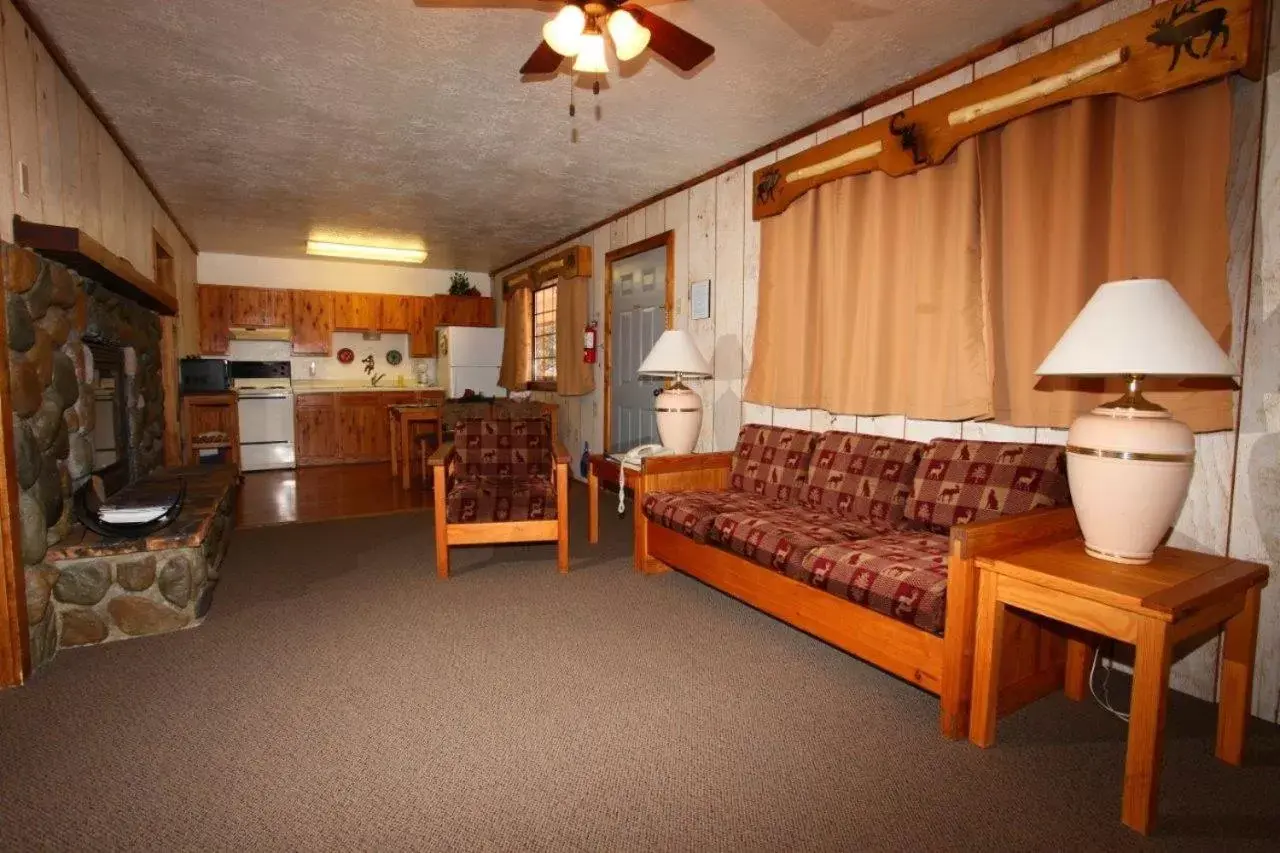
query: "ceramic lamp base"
679, 414
1129, 472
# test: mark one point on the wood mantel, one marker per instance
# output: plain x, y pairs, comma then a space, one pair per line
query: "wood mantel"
1171, 46
91, 259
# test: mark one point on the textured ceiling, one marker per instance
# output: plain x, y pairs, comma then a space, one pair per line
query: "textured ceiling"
262, 122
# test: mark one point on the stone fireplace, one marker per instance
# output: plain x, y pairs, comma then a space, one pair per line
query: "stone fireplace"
58, 325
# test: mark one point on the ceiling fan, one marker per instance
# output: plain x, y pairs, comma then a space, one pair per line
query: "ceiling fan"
579, 30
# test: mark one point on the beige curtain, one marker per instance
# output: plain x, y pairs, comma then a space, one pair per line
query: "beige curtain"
1088, 192
517, 339
574, 377
871, 297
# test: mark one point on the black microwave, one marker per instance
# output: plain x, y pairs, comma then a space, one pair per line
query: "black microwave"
204, 375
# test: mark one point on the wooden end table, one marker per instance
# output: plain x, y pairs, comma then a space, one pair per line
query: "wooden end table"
608, 469
1178, 595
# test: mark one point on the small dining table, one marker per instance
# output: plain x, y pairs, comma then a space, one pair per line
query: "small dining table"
402, 419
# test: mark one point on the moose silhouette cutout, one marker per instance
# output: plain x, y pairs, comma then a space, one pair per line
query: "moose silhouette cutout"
1181, 34
949, 496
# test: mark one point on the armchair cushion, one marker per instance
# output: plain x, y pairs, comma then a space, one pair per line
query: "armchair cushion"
963, 481
771, 461
518, 447
902, 575
862, 476
484, 499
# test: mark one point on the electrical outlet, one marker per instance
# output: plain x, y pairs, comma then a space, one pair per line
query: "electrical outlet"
24, 179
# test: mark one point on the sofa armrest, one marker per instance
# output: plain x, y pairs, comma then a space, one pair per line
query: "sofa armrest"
999, 535
686, 473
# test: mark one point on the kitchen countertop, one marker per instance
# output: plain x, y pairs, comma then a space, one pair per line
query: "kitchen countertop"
322, 386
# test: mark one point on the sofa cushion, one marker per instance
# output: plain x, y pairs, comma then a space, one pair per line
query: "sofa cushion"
902, 575
778, 535
692, 513
963, 481
482, 499
771, 461
517, 447
862, 476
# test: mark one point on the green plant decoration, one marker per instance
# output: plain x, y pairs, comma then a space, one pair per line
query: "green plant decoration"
460, 285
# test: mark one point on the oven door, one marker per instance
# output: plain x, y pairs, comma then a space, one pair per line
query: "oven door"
266, 430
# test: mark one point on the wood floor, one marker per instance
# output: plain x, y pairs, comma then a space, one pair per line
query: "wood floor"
325, 493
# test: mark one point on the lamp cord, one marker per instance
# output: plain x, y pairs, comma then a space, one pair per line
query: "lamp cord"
1105, 699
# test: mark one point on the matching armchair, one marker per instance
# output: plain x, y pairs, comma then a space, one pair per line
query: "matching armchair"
501, 481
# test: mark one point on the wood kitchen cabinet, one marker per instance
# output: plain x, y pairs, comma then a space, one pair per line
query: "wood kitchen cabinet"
259, 306
311, 318
356, 312
464, 310
422, 327
213, 310
316, 429
394, 313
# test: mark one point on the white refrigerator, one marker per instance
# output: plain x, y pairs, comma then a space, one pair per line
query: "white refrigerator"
469, 357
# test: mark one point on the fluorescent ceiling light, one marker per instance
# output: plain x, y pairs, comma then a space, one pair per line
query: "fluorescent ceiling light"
368, 253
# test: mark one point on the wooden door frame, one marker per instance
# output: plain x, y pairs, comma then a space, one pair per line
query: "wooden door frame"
166, 276
667, 239
15, 650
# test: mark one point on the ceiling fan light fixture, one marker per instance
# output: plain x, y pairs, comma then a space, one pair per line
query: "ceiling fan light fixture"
629, 38
591, 58
564, 32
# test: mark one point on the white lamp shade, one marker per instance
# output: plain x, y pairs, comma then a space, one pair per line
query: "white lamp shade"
1138, 327
564, 31
591, 59
629, 38
675, 354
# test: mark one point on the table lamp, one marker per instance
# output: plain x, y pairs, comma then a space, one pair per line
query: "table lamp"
1129, 462
678, 408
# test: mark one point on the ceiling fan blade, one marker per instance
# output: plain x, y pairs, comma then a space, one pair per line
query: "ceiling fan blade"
483, 4
675, 44
544, 60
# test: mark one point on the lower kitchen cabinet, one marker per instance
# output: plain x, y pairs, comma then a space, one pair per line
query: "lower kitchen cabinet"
345, 427
315, 429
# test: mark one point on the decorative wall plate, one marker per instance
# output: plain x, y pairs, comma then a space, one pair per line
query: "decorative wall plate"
394, 357
346, 356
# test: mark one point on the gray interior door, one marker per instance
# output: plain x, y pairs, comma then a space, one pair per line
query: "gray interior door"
639, 319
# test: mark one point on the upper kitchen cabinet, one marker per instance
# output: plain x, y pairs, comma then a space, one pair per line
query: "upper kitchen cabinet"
422, 327
259, 306
394, 313
213, 308
312, 321
356, 312
464, 311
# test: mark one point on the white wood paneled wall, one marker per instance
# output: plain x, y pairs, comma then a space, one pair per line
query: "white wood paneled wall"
77, 175
716, 239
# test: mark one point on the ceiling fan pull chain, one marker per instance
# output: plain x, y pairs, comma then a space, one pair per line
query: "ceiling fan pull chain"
573, 111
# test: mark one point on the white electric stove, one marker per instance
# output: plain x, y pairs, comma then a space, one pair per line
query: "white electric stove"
264, 390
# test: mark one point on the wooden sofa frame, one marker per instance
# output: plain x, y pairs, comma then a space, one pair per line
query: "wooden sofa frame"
1033, 657
493, 532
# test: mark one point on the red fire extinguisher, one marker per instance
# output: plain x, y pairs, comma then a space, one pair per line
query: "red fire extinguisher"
589, 343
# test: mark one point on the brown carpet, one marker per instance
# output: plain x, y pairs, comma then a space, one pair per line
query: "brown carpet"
339, 697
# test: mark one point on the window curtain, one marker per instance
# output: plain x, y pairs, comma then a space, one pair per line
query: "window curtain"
574, 377
871, 297
517, 339
1092, 191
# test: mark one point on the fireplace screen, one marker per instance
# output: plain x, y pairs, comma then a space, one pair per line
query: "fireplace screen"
111, 421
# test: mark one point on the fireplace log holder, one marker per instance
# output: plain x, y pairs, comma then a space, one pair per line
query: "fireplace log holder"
87, 503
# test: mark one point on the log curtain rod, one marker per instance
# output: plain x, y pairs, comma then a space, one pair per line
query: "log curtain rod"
1171, 46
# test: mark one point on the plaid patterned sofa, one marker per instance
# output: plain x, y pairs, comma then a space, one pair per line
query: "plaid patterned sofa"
501, 480
864, 518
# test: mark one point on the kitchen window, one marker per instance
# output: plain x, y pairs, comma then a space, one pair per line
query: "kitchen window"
543, 356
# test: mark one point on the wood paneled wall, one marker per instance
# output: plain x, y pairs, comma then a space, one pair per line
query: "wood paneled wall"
77, 174
1234, 505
